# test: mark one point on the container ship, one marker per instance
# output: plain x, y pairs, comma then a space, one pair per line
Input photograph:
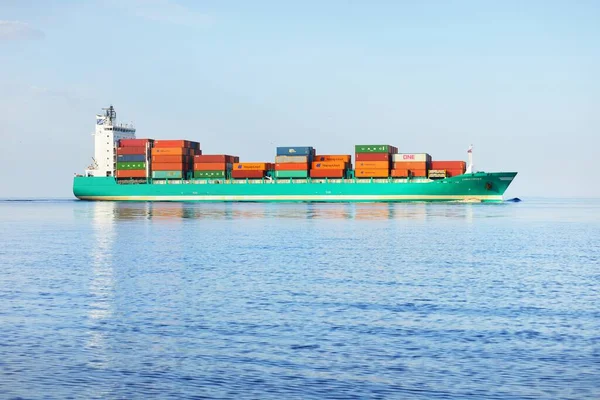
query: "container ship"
126, 168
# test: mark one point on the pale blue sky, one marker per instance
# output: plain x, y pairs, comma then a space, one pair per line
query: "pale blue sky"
518, 79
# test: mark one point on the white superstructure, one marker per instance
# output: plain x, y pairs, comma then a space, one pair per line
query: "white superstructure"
106, 135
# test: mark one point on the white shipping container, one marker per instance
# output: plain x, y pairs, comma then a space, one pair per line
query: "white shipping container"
291, 159
417, 157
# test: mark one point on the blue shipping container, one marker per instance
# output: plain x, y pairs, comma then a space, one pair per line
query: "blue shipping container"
294, 151
167, 174
131, 158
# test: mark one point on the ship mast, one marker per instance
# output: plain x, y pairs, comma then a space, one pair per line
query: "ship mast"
470, 166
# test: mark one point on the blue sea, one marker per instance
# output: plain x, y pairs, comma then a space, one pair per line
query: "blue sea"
300, 301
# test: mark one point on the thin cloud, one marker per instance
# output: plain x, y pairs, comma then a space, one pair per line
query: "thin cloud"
18, 30
165, 11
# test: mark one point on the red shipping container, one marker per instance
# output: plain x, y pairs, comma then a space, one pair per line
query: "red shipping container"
130, 150
134, 142
159, 166
371, 157
291, 166
215, 158
449, 165
131, 173
327, 173
172, 143
454, 172
212, 166
246, 173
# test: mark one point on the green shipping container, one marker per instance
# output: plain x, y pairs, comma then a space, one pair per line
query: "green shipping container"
372, 148
167, 174
292, 174
131, 165
209, 174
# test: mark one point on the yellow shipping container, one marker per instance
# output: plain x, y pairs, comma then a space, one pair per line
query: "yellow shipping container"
328, 165
343, 158
372, 172
251, 166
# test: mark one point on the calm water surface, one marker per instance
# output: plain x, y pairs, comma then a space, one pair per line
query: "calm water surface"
411, 301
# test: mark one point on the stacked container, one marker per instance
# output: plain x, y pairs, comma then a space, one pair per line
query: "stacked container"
293, 162
443, 169
330, 166
410, 165
250, 170
373, 160
173, 159
214, 166
132, 158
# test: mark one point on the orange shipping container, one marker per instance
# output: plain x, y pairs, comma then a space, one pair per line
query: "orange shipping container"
454, 172
329, 165
172, 143
343, 158
131, 173
171, 151
399, 173
170, 159
130, 150
410, 165
418, 173
212, 166
247, 166
327, 173
170, 166
373, 164
291, 166
461, 165
371, 172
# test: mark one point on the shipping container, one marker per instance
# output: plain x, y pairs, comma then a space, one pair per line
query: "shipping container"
158, 166
295, 151
454, 172
334, 158
329, 165
167, 174
372, 157
291, 166
175, 159
135, 142
249, 166
373, 164
216, 158
411, 157
410, 165
399, 173
437, 173
461, 165
131, 165
327, 173
131, 158
210, 174
131, 173
174, 144
418, 173
219, 166
291, 174
372, 173
252, 174
171, 151
375, 148
293, 159
130, 150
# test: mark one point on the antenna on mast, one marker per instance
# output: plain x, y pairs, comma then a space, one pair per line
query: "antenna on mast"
110, 114
470, 167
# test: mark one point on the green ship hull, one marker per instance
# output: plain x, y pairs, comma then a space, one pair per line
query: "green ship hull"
476, 187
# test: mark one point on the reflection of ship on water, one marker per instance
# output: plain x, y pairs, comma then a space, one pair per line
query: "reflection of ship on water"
102, 285
123, 211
